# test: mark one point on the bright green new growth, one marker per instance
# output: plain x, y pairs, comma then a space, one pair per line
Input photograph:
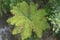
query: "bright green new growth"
28, 18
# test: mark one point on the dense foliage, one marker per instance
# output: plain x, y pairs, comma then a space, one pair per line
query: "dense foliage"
30, 18
54, 14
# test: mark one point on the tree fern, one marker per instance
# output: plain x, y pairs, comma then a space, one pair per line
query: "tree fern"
28, 18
